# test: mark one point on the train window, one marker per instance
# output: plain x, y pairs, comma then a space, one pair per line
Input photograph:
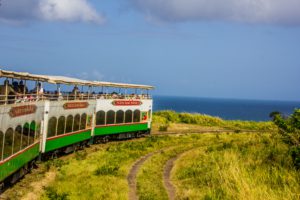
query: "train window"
61, 125
137, 116
38, 131
76, 122
110, 117
52, 127
120, 117
1, 144
17, 139
100, 118
83, 122
128, 116
8, 143
25, 135
69, 124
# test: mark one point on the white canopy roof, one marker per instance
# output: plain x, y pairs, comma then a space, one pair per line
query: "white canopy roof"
68, 80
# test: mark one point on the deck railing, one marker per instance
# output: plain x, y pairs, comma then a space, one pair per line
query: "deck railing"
14, 99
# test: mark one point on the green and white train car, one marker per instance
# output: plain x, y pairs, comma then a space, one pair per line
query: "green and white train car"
40, 124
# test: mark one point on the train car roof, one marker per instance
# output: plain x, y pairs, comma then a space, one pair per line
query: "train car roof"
68, 80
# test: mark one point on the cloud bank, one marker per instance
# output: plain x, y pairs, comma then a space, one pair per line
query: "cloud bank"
16, 11
282, 12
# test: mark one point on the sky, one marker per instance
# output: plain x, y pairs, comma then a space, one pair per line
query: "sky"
241, 49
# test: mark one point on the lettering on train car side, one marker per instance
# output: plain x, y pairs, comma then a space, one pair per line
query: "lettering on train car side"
22, 110
75, 105
126, 103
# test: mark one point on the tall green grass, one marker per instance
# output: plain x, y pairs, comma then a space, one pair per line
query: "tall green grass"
219, 166
243, 166
101, 174
162, 118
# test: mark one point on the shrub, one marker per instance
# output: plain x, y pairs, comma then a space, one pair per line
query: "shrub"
106, 170
289, 129
52, 194
163, 127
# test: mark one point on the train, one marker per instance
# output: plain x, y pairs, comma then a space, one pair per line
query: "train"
57, 117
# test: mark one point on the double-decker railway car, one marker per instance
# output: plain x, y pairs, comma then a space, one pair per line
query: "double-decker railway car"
37, 123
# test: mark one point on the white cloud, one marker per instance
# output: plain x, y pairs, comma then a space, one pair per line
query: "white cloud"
49, 10
284, 12
66, 10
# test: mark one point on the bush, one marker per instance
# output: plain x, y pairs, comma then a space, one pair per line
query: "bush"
289, 129
163, 127
106, 170
52, 194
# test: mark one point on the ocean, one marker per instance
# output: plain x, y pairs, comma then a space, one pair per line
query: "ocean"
231, 109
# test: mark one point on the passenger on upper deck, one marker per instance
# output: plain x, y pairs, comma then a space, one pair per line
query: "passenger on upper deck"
7, 89
38, 91
75, 93
22, 88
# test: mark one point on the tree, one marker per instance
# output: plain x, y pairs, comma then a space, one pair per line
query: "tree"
289, 129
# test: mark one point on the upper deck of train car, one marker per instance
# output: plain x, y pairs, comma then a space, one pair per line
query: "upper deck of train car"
15, 89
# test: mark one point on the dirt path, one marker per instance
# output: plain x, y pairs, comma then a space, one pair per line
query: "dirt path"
131, 178
171, 190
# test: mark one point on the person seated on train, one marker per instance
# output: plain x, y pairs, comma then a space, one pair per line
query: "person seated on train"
39, 91
74, 94
114, 95
15, 86
22, 88
58, 96
93, 94
8, 89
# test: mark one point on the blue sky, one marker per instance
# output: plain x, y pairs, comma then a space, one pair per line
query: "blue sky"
241, 49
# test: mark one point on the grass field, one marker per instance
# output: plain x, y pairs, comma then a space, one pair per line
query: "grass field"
227, 165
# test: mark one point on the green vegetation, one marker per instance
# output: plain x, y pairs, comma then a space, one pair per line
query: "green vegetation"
102, 174
163, 118
231, 165
241, 166
289, 129
150, 184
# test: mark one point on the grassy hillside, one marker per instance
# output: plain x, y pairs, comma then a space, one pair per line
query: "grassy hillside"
227, 165
163, 119
212, 166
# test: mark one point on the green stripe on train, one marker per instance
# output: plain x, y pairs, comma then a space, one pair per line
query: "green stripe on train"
17, 162
67, 140
106, 130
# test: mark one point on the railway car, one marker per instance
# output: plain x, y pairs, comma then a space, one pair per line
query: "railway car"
41, 122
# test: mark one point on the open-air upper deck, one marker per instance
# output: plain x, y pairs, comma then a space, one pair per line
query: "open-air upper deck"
17, 92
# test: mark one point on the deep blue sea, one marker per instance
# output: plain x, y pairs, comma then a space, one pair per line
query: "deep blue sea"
254, 110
